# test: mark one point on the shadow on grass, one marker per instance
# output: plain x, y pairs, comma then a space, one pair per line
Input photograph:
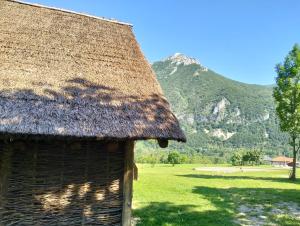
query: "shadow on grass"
226, 201
258, 202
230, 177
286, 221
261, 204
166, 213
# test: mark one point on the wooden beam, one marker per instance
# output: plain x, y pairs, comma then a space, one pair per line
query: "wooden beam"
163, 143
6, 153
127, 183
135, 172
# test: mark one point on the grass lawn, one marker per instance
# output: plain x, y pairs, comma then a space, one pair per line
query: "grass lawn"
166, 195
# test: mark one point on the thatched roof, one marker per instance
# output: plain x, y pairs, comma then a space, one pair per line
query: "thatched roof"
282, 159
69, 74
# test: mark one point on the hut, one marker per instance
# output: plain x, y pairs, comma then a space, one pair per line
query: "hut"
267, 160
281, 161
76, 92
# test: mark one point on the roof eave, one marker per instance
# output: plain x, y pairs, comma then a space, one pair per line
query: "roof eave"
72, 12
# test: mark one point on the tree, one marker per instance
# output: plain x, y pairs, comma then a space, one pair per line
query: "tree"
152, 160
243, 157
174, 158
246, 158
236, 159
287, 98
255, 157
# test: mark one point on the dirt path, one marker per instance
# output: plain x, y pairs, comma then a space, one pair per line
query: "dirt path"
236, 169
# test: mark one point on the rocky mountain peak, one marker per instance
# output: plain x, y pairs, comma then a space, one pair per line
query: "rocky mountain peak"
179, 58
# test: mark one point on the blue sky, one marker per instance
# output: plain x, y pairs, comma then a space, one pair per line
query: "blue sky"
241, 39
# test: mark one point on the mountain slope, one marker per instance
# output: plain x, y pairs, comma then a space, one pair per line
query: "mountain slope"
217, 112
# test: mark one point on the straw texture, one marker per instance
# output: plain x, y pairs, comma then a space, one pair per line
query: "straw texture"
71, 75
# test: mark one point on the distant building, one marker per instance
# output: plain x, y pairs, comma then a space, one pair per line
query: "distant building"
281, 161
267, 160
291, 164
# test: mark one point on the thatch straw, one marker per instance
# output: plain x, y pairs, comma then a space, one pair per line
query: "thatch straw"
68, 74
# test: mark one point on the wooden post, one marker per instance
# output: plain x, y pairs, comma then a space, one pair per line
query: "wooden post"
127, 183
135, 172
5, 169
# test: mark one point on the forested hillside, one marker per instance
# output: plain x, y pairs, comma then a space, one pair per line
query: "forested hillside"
217, 114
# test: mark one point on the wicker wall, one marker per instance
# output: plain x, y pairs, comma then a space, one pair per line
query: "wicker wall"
61, 183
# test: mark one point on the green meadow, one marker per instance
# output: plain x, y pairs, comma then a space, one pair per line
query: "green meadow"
182, 195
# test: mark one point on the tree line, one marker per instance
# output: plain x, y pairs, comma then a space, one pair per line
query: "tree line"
238, 158
243, 157
175, 157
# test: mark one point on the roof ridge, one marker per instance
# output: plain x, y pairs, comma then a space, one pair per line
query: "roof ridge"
72, 12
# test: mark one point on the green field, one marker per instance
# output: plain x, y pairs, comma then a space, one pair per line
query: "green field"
166, 195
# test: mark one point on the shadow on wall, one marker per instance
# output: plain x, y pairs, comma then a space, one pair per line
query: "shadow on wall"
84, 108
60, 183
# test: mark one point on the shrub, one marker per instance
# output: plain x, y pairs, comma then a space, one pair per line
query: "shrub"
249, 157
174, 158
237, 159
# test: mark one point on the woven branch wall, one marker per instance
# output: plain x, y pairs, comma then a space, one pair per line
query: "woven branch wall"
61, 183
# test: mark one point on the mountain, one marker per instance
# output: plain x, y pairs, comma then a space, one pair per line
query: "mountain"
218, 113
